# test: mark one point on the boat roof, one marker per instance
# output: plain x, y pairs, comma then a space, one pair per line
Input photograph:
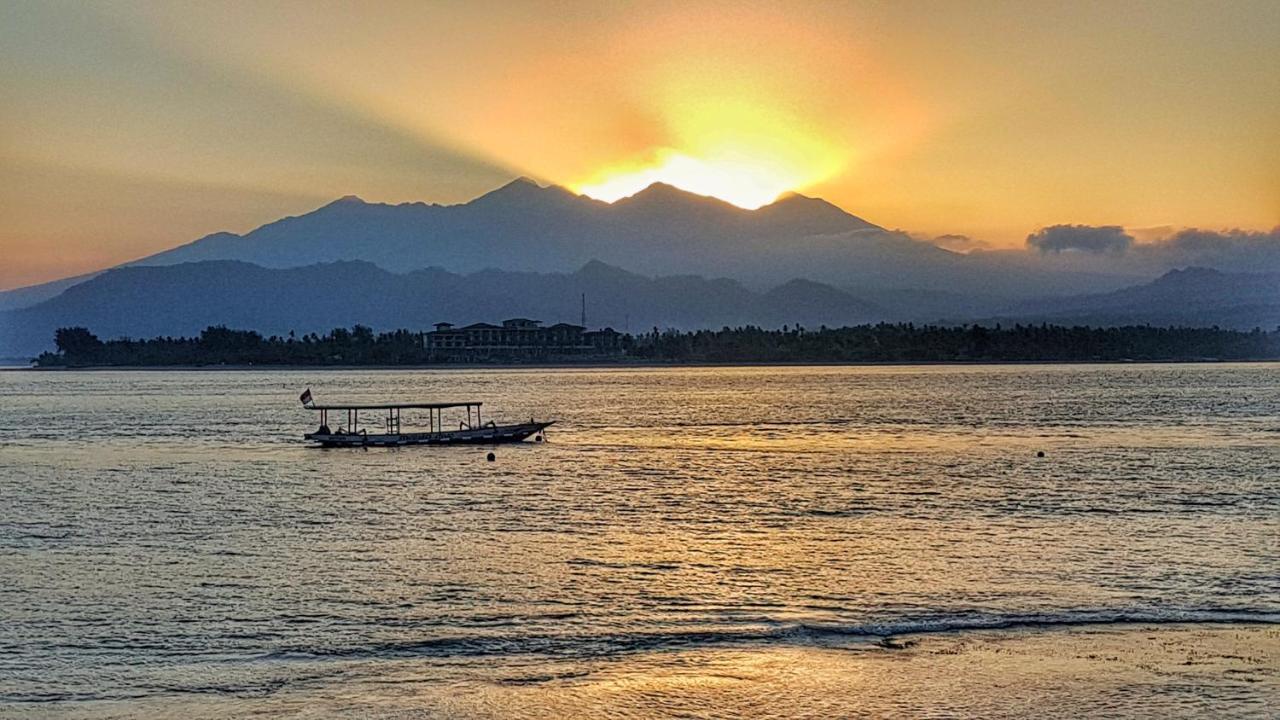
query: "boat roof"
393, 406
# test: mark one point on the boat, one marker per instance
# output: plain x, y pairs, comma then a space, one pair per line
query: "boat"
469, 431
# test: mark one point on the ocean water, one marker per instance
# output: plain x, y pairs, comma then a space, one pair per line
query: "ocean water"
688, 542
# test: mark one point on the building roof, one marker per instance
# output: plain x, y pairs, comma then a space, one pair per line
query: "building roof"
521, 322
394, 406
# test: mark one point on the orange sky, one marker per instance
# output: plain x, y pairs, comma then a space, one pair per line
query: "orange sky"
127, 128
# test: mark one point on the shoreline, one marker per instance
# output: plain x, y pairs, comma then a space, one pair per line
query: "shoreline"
626, 365
1136, 670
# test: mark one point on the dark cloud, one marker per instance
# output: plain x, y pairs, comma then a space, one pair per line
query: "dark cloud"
1238, 250
1097, 240
1114, 249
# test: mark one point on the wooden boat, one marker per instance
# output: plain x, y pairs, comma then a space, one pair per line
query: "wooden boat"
469, 431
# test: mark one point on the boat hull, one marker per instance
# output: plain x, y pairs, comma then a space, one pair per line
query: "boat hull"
490, 435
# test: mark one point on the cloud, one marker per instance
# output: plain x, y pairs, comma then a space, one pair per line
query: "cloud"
1151, 234
959, 243
1096, 240
1237, 250
1157, 250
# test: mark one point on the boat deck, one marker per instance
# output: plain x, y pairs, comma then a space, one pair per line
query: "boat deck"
487, 435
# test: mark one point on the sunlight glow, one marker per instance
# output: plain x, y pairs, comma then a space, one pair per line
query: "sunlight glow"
737, 148
741, 182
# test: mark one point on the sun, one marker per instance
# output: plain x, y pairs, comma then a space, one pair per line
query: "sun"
741, 151
745, 182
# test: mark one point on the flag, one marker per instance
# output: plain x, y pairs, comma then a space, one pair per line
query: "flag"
305, 397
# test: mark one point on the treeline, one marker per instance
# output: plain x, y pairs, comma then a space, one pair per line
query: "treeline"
933, 343
78, 347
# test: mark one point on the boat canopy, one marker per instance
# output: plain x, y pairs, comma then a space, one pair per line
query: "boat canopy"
394, 406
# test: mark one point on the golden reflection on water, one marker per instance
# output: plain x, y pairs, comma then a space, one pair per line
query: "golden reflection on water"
1053, 673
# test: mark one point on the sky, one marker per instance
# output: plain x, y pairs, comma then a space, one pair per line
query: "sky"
127, 128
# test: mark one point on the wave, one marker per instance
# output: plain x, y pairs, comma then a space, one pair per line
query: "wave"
315, 663
1082, 618
571, 646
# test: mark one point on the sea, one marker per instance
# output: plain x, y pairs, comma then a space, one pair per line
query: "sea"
1009, 541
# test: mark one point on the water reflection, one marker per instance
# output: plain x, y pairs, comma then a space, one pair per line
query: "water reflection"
688, 541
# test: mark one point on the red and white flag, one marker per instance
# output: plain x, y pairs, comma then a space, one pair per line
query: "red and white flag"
305, 397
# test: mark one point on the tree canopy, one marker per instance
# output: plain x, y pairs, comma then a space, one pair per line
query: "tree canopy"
884, 342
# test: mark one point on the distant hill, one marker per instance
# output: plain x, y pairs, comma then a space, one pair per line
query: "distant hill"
660, 231
182, 299
185, 298
527, 227
32, 294
1194, 296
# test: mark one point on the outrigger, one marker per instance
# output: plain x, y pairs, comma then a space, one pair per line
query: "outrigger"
472, 432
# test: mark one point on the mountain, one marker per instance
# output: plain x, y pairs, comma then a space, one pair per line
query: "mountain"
660, 231
30, 295
182, 299
811, 304
1193, 296
524, 226
799, 215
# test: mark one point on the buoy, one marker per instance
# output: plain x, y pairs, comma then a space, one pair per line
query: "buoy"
491, 457
1040, 454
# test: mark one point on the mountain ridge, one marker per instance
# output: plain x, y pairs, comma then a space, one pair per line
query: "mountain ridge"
1187, 296
518, 226
659, 231
182, 299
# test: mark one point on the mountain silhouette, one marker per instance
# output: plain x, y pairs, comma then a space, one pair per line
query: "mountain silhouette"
660, 231
1192, 296
528, 227
182, 299
644, 261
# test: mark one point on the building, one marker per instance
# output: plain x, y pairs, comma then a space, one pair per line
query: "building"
518, 337
606, 341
